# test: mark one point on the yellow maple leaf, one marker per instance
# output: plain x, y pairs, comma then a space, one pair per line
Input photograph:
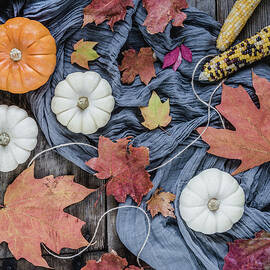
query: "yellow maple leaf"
156, 114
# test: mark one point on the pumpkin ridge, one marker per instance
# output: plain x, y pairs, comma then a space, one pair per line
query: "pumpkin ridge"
194, 193
28, 65
13, 154
71, 108
193, 219
9, 38
93, 104
76, 112
73, 87
8, 73
21, 146
227, 216
31, 44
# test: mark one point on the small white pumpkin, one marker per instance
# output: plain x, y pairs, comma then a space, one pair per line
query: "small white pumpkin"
18, 137
212, 202
83, 102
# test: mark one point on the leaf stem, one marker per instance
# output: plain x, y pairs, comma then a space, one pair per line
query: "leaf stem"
164, 130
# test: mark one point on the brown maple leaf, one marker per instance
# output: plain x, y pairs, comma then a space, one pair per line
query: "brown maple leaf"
33, 214
110, 261
112, 10
161, 12
160, 203
250, 142
141, 64
249, 254
125, 166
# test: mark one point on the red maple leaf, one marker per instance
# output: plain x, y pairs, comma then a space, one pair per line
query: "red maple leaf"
141, 64
249, 254
160, 12
125, 166
112, 10
33, 214
250, 142
110, 261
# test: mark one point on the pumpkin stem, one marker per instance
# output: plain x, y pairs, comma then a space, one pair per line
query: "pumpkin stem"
213, 204
4, 139
15, 54
83, 103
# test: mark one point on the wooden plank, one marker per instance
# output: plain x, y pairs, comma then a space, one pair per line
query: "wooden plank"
208, 6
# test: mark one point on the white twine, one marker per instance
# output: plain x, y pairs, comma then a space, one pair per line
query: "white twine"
208, 113
58, 146
95, 233
209, 106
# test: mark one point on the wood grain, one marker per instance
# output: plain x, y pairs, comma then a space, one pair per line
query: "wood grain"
52, 163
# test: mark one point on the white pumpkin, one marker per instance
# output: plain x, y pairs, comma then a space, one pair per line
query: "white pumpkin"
212, 202
18, 137
83, 102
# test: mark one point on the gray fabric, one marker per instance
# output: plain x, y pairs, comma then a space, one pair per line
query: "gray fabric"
172, 245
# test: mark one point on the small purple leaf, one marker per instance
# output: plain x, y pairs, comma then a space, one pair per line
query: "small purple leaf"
186, 53
171, 57
178, 62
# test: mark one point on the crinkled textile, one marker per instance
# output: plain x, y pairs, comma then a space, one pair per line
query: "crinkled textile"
172, 245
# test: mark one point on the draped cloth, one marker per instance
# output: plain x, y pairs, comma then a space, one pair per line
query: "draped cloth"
172, 245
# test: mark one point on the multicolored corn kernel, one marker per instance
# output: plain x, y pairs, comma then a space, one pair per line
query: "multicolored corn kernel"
244, 53
234, 23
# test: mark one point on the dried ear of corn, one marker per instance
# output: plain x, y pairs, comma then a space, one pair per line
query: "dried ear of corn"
236, 20
242, 54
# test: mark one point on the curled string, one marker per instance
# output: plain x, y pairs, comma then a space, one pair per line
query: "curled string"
58, 146
96, 230
209, 107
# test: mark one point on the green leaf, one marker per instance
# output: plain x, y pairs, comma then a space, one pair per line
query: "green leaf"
83, 53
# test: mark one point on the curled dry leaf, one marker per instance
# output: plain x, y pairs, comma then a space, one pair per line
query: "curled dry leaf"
156, 114
161, 12
250, 142
83, 53
141, 64
125, 167
110, 261
33, 214
249, 254
160, 202
112, 10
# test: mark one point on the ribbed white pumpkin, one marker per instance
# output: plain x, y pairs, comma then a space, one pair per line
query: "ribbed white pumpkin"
212, 202
18, 137
83, 102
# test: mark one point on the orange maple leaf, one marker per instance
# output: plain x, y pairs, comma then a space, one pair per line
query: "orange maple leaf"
250, 142
125, 166
33, 214
160, 203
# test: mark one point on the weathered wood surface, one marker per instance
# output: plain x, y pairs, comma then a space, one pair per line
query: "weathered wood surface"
51, 163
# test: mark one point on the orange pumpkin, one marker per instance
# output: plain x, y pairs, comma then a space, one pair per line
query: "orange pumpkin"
27, 55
